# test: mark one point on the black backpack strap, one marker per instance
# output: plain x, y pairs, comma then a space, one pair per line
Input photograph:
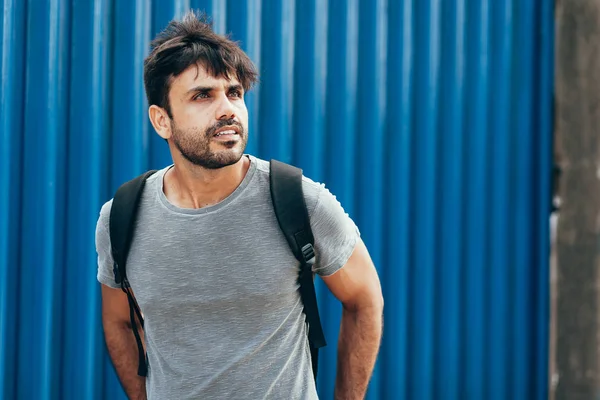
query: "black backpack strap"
122, 219
292, 215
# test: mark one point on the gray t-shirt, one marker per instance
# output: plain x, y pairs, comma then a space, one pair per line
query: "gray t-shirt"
219, 293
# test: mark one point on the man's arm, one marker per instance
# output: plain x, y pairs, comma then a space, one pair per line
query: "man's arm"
121, 343
357, 286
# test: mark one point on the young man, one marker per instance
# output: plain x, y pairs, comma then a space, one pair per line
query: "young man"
209, 266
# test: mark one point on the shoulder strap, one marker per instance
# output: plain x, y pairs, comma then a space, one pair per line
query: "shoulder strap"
122, 218
290, 208
123, 213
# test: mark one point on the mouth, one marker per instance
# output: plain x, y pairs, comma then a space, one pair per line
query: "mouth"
227, 132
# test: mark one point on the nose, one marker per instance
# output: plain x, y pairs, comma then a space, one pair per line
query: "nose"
225, 109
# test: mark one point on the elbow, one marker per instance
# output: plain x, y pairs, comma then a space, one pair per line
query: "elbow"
111, 323
368, 304
375, 299
378, 303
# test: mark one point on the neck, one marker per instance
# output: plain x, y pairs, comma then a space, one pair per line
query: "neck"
189, 186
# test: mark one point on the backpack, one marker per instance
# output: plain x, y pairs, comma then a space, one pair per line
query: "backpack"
292, 216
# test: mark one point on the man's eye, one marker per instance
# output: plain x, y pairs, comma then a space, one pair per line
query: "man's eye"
235, 93
201, 96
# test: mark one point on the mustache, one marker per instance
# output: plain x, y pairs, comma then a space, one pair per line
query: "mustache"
210, 131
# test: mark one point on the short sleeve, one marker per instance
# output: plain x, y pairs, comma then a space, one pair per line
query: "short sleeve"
103, 249
334, 231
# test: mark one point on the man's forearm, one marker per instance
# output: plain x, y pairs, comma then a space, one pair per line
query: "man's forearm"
123, 352
360, 337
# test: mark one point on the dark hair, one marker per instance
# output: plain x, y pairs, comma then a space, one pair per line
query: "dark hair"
188, 42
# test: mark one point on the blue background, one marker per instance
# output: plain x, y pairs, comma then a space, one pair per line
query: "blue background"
431, 120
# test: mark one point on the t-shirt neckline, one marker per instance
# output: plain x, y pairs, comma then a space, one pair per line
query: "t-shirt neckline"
208, 209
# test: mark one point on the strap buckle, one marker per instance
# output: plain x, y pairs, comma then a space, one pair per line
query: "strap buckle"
308, 252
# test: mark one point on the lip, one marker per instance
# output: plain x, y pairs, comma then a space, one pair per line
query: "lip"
234, 128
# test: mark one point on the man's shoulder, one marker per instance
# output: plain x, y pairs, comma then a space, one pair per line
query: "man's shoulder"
262, 166
151, 184
105, 213
312, 192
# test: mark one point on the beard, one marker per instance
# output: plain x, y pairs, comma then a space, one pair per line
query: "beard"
194, 145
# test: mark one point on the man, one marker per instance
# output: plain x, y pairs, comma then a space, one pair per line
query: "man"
209, 266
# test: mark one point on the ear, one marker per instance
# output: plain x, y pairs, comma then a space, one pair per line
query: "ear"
160, 121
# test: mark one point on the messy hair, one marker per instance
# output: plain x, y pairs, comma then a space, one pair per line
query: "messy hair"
188, 42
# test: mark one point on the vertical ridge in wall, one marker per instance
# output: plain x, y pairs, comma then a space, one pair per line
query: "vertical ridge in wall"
544, 65
83, 343
499, 239
475, 245
370, 138
13, 39
339, 150
398, 170
449, 300
275, 99
308, 93
522, 124
129, 151
44, 188
426, 148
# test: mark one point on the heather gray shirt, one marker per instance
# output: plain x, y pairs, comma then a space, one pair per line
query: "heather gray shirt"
219, 293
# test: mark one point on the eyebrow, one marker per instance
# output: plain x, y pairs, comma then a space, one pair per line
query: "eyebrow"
207, 89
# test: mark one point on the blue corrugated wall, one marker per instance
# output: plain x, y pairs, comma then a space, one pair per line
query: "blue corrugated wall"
430, 120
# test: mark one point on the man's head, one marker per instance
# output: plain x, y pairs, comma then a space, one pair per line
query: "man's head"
195, 82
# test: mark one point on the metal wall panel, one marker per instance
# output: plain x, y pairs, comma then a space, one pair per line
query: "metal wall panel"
429, 120
11, 148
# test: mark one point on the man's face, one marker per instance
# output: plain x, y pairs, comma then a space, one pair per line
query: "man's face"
210, 120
